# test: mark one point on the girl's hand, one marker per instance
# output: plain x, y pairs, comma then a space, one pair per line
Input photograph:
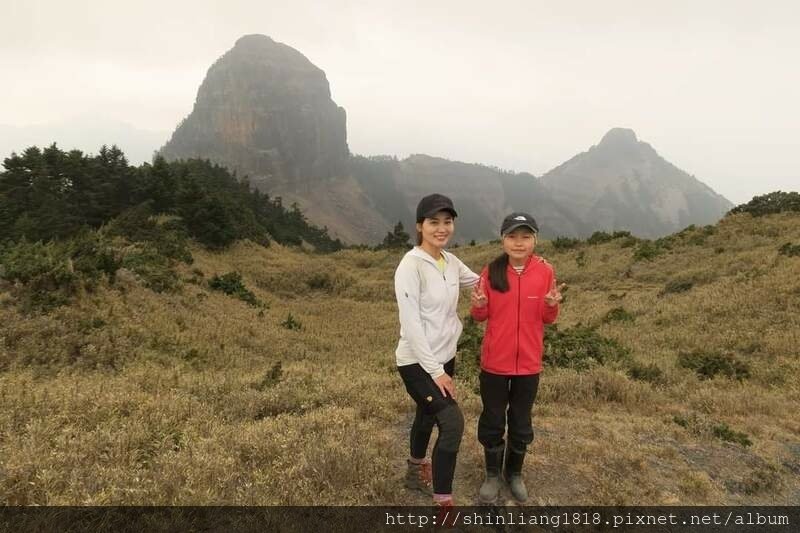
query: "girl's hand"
446, 385
553, 296
478, 297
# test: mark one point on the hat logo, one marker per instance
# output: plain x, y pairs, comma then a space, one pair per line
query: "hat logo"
520, 217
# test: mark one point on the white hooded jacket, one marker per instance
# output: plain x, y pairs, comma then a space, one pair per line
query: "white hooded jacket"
427, 300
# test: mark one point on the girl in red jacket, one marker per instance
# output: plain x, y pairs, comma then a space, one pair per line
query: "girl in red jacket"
518, 295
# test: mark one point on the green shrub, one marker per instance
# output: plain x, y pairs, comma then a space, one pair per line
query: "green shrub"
469, 351
650, 373
44, 274
292, 324
774, 202
676, 286
707, 365
565, 243
649, 250
765, 479
155, 270
722, 431
135, 224
580, 259
173, 243
619, 314
682, 421
211, 221
48, 275
320, 282
789, 250
138, 225
231, 284
271, 378
581, 347
599, 237
85, 325
332, 283
92, 257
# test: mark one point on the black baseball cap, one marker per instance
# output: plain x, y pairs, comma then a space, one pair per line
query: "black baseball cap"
518, 220
432, 204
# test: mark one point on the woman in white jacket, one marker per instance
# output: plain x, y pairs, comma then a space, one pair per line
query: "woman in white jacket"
427, 284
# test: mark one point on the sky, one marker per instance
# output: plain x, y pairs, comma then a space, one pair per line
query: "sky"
523, 85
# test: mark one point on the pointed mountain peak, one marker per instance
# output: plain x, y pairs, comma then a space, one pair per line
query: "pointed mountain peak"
619, 136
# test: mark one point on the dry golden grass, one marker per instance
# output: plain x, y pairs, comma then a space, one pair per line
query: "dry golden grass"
132, 397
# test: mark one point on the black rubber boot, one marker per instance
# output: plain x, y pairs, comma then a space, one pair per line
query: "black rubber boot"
494, 464
513, 474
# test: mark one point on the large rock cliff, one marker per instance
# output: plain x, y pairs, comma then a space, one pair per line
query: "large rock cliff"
264, 110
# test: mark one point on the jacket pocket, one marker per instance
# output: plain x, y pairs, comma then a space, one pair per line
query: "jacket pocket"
530, 309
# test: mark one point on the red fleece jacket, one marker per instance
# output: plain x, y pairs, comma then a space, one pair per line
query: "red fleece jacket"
513, 342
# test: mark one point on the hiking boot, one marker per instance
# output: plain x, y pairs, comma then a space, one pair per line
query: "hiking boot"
445, 519
513, 474
491, 485
420, 477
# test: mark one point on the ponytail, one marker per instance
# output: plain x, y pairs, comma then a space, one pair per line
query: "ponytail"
498, 273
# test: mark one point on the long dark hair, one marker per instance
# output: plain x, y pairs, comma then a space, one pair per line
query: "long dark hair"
498, 273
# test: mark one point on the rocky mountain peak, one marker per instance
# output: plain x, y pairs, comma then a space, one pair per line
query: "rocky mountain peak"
622, 183
264, 110
619, 137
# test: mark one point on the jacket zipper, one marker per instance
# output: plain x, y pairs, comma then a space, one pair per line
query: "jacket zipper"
519, 304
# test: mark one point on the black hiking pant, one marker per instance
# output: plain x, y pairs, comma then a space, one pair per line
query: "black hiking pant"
434, 409
507, 399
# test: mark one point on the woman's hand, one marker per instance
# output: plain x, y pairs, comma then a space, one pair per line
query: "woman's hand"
478, 296
553, 296
446, 385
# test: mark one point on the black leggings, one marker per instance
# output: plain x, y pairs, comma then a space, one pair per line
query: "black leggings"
434, 409
507, 398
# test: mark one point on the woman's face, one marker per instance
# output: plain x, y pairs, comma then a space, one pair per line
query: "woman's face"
519, 244
437, 231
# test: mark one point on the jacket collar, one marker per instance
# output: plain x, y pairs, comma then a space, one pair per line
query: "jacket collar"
419, 252
529, 264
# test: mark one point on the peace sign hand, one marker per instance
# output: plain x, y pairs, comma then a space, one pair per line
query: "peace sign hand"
478, 297
553, 296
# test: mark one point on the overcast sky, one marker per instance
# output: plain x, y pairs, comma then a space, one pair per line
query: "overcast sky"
523, 85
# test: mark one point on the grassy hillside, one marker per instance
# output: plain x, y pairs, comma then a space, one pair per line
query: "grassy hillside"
195, 396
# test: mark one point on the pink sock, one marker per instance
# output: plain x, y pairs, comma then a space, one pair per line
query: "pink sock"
416, 461
442, 497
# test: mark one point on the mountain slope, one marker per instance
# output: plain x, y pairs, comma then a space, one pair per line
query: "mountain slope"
623, 184
265, 111
132, 397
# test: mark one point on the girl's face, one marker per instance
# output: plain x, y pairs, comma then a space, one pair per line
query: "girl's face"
519, 244
436, 231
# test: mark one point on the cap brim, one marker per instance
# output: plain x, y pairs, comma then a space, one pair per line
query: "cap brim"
432, 212
519, 225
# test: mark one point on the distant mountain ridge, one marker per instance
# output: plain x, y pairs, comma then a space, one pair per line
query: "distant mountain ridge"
622, 183
265, 111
